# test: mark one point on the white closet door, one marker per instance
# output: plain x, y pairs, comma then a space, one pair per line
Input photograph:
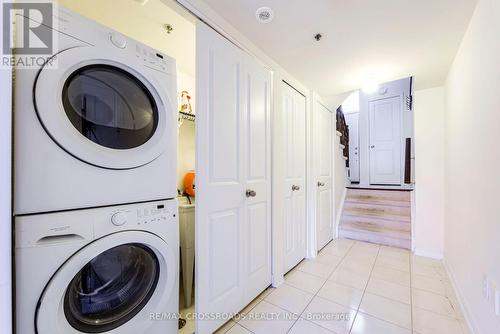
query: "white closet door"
324, 152
233, 226
385, 141
294, 105
257, 207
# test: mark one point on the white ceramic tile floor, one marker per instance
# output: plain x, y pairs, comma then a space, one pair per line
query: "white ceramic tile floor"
358, 288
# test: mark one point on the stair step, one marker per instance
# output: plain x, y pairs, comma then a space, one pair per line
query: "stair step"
377, 238
378, 222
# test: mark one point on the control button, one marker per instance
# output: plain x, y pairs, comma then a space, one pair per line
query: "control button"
118, 40
119, 218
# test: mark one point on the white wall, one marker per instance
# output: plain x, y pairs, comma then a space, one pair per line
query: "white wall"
5, 200
472, 229
428, 221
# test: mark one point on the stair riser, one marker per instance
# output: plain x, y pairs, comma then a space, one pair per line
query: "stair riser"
377, 209
377, 201
376, 223
404, 235
374, 238
401, 196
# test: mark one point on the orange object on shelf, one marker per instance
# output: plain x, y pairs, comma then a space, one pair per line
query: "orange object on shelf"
189, 183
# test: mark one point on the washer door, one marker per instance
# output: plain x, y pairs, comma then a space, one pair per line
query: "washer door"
109, 112
112, 285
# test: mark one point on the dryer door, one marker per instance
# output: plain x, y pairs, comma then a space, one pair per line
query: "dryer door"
108, 111
112, 285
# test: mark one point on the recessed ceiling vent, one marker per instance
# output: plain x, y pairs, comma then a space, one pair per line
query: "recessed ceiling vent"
264, 14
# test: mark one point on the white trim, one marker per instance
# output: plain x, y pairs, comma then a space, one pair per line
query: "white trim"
5, 198
432, 255
339, 213
469, 319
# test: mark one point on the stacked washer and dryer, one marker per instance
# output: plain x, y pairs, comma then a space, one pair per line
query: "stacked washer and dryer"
96, 226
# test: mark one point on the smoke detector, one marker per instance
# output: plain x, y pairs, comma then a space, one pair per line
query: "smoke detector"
264, 14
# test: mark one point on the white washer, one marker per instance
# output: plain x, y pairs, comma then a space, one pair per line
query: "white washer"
106, 270
99, 127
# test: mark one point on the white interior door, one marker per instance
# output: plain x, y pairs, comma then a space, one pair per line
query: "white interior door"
233, 221
385, 141
294, 105
324, 153
353, 123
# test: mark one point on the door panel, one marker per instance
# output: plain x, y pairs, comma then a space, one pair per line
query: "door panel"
257, 106
233, 231
324, 146
385, 141
294, 105
219, 174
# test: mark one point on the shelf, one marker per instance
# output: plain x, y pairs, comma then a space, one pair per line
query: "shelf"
187, 116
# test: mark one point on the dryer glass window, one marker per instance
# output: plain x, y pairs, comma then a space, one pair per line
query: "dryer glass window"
110, 106
112, 288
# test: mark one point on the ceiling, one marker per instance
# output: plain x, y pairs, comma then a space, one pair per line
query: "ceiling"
143, 21
363, 39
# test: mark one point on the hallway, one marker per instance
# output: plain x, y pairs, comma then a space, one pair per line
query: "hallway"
358, 288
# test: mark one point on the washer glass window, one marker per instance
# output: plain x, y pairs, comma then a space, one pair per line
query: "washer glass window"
112, 288
110, 106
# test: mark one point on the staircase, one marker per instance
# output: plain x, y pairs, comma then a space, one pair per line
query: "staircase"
377, 216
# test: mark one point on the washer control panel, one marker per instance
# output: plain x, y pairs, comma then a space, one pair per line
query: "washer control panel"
143, 215
151, 58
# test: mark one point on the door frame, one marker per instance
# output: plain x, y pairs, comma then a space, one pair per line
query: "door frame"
400, 95
6, 302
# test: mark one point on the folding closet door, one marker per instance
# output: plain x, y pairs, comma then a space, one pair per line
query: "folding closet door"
233, 221
324, 170
295, 225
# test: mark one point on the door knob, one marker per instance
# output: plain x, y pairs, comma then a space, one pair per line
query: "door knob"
251, 193
321, 184
295, 188
373, 146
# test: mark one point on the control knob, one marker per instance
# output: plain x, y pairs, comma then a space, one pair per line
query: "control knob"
119, 218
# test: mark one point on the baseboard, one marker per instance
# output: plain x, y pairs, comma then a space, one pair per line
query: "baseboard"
469, 320
432, 255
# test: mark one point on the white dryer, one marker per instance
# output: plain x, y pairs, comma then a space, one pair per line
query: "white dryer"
106, 270
96, 125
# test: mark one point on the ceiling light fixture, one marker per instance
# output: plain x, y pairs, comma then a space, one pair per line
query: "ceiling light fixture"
370, 86
264, 14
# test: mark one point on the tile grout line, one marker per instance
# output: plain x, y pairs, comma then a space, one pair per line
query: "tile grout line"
364, 291
316, 294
